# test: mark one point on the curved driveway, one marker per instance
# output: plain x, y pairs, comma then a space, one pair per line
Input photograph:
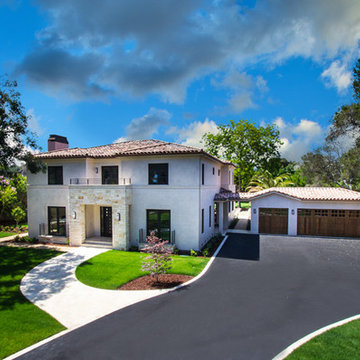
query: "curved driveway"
255, 300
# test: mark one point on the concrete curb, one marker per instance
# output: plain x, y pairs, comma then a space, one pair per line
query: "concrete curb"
53, 337
285, 353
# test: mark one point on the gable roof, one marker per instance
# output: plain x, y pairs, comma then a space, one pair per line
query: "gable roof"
309, 193
127, 148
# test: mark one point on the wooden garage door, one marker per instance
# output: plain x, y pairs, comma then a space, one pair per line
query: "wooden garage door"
273, 221
328, 222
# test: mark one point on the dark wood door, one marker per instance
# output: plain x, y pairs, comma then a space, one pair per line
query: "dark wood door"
273, 221
106, 221
328, 222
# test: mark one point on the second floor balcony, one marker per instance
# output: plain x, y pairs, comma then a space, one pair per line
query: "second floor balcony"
99, 181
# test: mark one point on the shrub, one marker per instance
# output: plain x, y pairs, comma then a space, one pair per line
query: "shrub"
205, 252
193, 253
176, 251
159, 260
18, 215
134, 248
28, 239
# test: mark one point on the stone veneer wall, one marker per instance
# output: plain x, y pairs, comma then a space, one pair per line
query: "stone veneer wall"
117, 196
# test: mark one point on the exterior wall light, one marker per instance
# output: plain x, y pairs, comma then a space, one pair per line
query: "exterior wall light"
292, 212
73, 214
96, 170
118, 216
254, 211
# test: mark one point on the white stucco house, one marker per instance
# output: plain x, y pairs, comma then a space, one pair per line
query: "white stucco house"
314, 211
115, 194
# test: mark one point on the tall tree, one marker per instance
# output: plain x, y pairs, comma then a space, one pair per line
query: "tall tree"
266, 180
248, 147
15, 137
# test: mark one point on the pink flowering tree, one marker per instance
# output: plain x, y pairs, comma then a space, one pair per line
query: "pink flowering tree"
159, 260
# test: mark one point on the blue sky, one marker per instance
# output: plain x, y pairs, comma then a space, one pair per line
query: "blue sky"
101, 71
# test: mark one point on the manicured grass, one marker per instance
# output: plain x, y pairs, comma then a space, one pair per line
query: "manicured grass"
21, 323
114, 268
5, 234
342, 342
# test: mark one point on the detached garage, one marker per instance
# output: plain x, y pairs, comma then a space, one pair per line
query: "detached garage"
316, 211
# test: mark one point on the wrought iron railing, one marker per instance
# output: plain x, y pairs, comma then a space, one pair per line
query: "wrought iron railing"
97, 181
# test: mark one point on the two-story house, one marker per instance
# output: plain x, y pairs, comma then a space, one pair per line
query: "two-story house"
117, 193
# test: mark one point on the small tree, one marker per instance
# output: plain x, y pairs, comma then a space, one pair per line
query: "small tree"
18, 214
159, 260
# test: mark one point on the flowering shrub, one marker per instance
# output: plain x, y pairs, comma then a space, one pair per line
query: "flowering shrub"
159, 260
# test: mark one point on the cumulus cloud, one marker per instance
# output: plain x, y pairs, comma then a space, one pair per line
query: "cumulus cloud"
192, 134
33, 122
146, 126
338, 76
97, 48
299, 138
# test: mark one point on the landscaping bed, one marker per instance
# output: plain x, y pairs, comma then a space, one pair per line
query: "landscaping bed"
21, 323
166, 281
112, 269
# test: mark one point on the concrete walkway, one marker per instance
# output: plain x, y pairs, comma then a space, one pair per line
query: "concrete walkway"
53, 287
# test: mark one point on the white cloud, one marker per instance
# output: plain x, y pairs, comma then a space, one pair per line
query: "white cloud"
84, 51
146, 126
337, 75
191, 135
299, 138
33, 122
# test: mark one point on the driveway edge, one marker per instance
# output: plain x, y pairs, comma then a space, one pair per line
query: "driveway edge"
285, 353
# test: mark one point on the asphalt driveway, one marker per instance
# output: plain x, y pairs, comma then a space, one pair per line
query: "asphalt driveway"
258, 297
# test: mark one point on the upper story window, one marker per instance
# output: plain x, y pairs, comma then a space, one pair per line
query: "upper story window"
55, 175
158, 174
109, 175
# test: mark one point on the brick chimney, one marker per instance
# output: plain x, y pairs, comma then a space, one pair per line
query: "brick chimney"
57, 142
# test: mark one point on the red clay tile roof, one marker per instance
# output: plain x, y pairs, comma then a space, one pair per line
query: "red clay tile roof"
310, 193
127, 148
300, 193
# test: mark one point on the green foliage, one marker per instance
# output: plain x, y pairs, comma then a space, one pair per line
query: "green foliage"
13, 196
21, 322
356, 81
26, 239
15, 137
248, 147
212, 245
205, 252
134, 248
193, 253
265, 180
112, 269
18, 214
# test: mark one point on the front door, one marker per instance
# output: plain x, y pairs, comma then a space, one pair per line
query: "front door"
106, 221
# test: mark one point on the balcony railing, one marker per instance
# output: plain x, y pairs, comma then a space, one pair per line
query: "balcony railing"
97, 181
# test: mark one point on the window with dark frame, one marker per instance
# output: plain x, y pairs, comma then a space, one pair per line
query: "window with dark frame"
213, 171
202, 174
210, 216
218, 172
158, 174
159, 221
55, 175
110, 175
202, 220
57, 220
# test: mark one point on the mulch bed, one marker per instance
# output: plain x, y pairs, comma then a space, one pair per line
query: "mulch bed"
166, 281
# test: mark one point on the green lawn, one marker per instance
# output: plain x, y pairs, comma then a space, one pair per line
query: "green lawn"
114, 268
5, 234
342, 342
21, 323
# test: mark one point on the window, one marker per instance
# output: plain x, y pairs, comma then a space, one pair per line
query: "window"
213, 171
210, 216
229, 206
158, 221
218, 172
202, 174
158, 174
109, 175
56, 220
55, 175
202, 220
